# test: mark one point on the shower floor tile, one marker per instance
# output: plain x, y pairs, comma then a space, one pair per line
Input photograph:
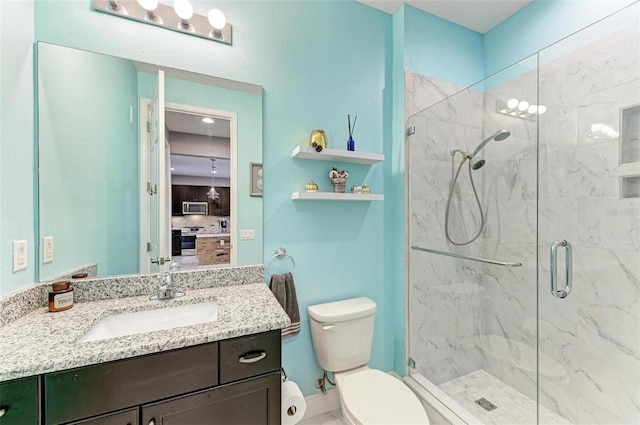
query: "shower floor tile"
513, 407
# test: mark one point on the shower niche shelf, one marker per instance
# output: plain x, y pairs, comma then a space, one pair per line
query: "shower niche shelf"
354, 157
629, 169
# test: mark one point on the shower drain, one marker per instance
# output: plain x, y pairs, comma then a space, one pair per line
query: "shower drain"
486, 404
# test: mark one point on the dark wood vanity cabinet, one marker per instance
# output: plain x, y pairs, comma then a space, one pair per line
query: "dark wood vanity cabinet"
19, 403
188, 386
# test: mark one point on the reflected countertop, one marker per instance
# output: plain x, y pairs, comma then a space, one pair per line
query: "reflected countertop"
213, 235
43, 342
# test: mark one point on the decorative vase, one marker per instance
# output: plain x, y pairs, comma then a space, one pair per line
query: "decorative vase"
339, 185
318, 137
351, 144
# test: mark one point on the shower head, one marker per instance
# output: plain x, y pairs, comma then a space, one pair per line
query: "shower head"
497, 136
477, 163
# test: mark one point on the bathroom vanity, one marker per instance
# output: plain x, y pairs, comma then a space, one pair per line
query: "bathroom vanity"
225, 371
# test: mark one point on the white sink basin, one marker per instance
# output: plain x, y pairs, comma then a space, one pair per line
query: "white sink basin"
152, 320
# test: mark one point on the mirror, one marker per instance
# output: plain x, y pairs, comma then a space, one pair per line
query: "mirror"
93, 197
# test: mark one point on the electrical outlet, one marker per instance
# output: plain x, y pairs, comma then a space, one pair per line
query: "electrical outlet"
19, 255
246, 235
47, 247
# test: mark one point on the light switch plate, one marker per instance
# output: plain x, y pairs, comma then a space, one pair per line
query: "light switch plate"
47, 248
248, 234
19, 255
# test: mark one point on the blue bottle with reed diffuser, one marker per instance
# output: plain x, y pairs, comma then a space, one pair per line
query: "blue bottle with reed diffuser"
351, 144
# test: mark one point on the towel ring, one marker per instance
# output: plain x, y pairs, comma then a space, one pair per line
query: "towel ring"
280, 253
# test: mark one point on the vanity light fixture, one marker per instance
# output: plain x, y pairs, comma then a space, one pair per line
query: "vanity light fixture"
179, 16
520, 109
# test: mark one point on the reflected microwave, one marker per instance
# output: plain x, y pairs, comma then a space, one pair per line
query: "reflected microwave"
195, 208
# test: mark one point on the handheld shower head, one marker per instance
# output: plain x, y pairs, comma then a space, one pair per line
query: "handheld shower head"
497, 136
477, 162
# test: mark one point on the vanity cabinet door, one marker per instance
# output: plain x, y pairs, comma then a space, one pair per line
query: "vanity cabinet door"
19, 402
128, 417
254, 401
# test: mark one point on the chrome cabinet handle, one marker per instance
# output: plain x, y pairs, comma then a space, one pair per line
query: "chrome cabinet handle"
252, 357
152, 422
3, 410
560, 293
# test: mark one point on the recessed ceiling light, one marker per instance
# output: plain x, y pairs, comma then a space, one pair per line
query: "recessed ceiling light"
207, 120
214, 172
173, 169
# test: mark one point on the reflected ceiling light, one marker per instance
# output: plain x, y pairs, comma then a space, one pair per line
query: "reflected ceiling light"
207, 120
184, 10
599, 131
179, 16
217, 21
150, 6
520, 108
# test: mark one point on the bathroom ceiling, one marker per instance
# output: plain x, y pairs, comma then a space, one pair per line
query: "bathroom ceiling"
477, 15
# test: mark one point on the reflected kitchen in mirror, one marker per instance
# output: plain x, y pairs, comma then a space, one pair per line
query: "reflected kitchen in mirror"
114, 202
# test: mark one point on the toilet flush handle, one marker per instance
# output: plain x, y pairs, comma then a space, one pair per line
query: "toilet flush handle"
328, 327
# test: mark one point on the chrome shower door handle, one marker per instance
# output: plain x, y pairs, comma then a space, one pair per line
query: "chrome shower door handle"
560, 293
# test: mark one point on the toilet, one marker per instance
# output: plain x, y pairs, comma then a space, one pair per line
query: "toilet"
342, 334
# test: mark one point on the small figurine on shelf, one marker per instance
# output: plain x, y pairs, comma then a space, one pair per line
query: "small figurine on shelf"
365, 190
311, 187
351, 144
338, 179
318, 140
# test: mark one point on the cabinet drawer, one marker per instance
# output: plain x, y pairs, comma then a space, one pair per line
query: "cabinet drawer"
89, 391
251, 402
128, 417
249, 356
19, 399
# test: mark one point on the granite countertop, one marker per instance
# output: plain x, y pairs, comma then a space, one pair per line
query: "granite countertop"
43, 342
213, 235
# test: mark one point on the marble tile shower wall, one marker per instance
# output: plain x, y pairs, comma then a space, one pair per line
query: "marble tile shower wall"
463, 316
445, 295
594, 333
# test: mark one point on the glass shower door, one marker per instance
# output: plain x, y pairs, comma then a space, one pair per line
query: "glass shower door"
589, 210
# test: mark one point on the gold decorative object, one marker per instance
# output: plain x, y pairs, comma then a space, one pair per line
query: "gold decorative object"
365, 189
318, 138
311, 187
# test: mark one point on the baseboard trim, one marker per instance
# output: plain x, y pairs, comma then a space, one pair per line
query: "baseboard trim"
319, 404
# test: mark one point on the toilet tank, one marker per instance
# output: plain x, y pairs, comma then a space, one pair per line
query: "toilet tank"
342, 333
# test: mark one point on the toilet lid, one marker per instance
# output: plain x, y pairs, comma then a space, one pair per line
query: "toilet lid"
374, 397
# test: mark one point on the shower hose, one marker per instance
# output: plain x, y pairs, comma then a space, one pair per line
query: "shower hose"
475, 193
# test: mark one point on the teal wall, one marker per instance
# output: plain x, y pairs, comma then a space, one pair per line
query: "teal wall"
248, 108
540, 24
88, 146
441, 49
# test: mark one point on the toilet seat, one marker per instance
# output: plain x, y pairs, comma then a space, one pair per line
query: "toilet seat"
374, 397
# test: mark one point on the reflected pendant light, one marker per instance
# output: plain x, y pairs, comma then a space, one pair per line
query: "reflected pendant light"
212, 194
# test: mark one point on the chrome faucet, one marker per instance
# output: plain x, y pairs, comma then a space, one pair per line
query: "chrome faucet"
166, 290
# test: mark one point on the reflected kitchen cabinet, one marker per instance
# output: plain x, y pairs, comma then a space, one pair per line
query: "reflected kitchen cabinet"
222, 205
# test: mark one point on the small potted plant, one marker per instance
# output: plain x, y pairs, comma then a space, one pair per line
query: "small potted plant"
338, 180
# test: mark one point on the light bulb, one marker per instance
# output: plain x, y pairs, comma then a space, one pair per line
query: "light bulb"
522, 106
541, 109
512, 103
207, 120
183, 9
149, 5
532, 109
217, 19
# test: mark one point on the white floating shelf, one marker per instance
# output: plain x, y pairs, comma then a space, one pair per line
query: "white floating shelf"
355, 157
332, 196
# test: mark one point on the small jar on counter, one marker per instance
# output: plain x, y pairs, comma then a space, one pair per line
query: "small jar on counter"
60, 296
79, 275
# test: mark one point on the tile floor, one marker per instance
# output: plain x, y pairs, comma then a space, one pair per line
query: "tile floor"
513, 407
329, 418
